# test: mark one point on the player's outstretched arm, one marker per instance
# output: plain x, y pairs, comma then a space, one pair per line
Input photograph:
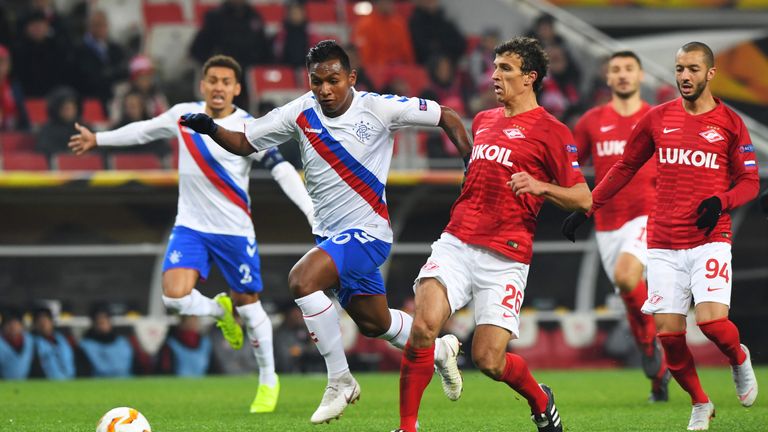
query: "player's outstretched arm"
231, 141
451, 123
83, 141
576, 197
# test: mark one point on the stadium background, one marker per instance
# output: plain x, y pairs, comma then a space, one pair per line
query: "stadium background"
75, 235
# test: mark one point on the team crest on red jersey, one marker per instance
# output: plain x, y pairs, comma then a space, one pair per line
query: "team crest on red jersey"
513, 133
712, 136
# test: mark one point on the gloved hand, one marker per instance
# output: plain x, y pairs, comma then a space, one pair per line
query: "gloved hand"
709, 212
200, 123
573, 221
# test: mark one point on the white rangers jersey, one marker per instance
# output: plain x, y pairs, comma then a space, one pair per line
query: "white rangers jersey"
346, 158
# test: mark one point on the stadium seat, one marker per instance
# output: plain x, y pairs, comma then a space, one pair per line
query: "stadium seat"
275, 83
416, 76
37, 110
162, 13
202, 8
25, 161
272, 13
93, 112
321, 13
17, 142
71, 162
135, 161
168, 46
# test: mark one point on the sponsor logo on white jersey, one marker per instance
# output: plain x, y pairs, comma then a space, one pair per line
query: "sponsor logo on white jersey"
712, 136
696, 158
492, 152
513, 133
610, 147
313, 130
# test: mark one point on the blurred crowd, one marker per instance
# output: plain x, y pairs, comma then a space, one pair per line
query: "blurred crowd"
59, 67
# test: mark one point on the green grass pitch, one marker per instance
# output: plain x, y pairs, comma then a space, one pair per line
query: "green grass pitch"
589, 401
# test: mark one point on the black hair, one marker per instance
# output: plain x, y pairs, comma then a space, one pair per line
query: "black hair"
41, 311
533, 56
224, 61
709, 57
624, 54
328, 50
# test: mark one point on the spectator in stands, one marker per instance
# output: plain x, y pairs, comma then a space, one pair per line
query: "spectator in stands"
432, 33
57, 23
100, 62
63, 112
54, 358
142, 81
447, 85
104, 353
13, 114
383, 37
363, 82
235, 29
599, 93
41, 62
544, 30
560, 89
292, 42
5, 27
187, 351
16, 347
133, 109
294, 350
480, 65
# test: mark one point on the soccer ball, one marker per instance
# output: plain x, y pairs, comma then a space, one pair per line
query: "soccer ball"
123, 419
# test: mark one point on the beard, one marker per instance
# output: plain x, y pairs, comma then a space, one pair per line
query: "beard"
697, 90
627, 94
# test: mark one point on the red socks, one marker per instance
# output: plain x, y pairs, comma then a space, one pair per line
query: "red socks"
680, 363
726, 336
517, 376
416, 372
641, 325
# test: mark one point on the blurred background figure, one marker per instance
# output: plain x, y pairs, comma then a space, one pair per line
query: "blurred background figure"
383, 38
13, 113
103, 352
294, 350
63, 112
142, 81
432, 33
16, 347
560, 89
187, 351
480, 62
292, 42
54, 357
41, 61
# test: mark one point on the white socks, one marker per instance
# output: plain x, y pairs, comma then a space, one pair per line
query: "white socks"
399, 328
194, 304
322, 320
259, 328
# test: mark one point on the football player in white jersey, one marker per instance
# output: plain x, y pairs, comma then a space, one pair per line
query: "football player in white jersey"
213, 224
346, 142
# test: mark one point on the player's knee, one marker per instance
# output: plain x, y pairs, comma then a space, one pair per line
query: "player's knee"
299, 285
625, 280
489, 363
371, 329
423, 333
175, 290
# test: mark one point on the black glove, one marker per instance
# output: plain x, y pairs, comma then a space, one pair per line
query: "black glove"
573, 221
466, 170
764, 202
709, 212
199, 123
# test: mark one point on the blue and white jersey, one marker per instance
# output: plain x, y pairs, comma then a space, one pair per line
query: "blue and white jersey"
346, 158
213, 183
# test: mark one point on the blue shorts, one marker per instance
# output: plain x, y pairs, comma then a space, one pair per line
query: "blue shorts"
357, 256
237, 257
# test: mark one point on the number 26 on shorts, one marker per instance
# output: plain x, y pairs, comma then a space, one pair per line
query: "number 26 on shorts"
513, 300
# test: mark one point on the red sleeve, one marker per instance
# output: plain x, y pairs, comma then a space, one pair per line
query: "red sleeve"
743, 170
561, 158
640, 147
582, 139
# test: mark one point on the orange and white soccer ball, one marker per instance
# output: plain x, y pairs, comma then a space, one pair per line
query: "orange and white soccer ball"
123, 419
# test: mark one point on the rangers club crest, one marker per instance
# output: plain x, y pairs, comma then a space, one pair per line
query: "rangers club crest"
363, 131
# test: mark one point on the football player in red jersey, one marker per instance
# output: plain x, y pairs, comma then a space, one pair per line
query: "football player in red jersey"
706, 167
522, 156
601, 134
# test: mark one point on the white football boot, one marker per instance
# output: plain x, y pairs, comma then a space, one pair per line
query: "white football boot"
448, 368
339, 393
744, 378
701, 413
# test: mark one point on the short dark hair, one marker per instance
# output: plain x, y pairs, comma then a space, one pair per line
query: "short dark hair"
224, 61
709, 57
625, 54
328, 50
533, 56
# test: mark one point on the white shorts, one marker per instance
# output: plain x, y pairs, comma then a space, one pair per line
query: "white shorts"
496, 283
631, 238
703, 272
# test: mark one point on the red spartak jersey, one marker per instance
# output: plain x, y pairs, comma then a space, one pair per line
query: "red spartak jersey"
697, 156
487, 213
602, 134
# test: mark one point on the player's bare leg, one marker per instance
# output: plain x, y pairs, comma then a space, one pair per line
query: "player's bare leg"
489, 353
671, 328
713, 321
628, 277
314, 273
259, 329
416, 369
